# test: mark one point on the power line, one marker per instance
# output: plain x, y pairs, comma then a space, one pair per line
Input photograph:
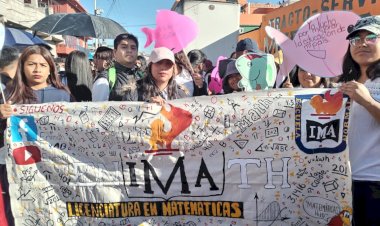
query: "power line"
111, 7
192, 6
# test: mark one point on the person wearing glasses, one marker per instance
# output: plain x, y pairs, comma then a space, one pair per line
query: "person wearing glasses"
362, 84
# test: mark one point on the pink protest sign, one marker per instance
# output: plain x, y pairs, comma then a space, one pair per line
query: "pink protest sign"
173, 31
216, 82
319, 44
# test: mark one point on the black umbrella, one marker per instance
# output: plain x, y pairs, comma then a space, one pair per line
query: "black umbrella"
79, 25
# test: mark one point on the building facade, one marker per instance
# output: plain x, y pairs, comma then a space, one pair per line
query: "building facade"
251, 17
218, 23
222, 23
23, 14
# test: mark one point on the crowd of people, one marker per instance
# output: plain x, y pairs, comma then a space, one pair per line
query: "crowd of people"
119, 74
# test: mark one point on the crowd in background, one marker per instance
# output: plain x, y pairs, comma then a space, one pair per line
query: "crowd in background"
112, 72
119, 74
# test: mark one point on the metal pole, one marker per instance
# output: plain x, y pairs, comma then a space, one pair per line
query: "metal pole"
95, 13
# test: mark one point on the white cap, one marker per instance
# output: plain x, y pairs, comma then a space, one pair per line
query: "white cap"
161, 53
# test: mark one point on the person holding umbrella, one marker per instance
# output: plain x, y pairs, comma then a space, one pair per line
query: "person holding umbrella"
122, 73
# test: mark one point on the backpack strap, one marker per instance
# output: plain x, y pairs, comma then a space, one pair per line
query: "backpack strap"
111, 77
139, 74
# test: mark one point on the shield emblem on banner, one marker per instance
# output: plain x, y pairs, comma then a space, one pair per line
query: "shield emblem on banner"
321, 122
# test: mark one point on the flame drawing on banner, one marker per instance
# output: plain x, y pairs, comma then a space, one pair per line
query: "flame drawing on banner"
179, 119
330, 105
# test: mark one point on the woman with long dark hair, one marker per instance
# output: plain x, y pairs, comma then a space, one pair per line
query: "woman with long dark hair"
36, 80
158, 84
194, 83
361, 74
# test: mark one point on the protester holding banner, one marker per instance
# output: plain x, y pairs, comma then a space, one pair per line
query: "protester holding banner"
36, 81
158, 85
362, 84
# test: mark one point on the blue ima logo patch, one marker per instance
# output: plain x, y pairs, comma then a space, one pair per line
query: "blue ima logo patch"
23, 128
320, 132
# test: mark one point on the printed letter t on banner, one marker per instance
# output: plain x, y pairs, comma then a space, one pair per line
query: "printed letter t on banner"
173, 31
319, 44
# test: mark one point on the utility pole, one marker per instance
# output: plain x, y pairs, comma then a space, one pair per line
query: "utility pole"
97, 12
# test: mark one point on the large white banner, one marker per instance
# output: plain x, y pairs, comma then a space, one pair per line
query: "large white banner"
259, 158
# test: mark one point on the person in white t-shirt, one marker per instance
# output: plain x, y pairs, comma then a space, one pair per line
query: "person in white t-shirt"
361, 82
103, 60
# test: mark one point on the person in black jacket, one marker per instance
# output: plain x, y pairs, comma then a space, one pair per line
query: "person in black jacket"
125, 54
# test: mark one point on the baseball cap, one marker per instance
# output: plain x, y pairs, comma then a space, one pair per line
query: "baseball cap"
161, 53
370, 23
231, 68
247, 44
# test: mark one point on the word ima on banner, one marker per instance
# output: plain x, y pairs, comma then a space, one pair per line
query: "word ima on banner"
262, 158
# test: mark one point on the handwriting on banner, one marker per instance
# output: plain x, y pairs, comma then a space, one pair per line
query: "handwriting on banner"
270, 157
